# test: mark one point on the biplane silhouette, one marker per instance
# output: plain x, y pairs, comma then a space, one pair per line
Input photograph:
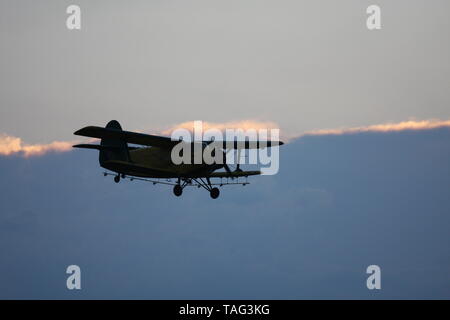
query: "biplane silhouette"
152, 160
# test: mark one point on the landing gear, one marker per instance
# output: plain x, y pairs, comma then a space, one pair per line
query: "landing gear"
214, 193
117, 179
177, 190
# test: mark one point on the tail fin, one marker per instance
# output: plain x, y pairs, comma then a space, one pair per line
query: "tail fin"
113, 149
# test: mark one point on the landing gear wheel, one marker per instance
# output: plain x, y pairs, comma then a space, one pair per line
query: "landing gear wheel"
117, 179
214, 193
177, 190
123, 176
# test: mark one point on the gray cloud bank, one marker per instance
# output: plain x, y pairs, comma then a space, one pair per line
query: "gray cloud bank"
338, 204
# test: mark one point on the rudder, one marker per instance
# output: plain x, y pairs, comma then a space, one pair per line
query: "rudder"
115, 149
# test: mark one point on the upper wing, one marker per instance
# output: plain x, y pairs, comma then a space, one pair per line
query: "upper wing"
165, 142
127, 136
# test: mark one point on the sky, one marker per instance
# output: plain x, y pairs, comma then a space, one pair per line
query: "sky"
364, 178
305, 65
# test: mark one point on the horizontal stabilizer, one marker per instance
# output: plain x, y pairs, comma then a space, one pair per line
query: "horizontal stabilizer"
88, 146
99, 147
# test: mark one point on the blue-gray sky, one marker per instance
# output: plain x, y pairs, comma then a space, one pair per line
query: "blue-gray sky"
340, 202
338, 205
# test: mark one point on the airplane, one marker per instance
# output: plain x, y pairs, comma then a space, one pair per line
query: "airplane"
153, 159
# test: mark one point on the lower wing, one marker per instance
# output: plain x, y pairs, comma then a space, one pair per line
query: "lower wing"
234, 174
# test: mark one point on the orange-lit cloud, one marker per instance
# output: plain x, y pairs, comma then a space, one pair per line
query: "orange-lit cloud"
10, 145
222, 126
13, 145
410, 125
231, 125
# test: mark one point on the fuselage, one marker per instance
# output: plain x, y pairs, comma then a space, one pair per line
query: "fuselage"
159, 161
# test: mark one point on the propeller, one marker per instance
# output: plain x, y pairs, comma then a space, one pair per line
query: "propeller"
227, 168
238, 169
225, 165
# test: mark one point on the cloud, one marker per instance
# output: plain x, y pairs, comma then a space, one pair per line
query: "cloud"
354, 208
222, 126
10, 145
411, 125
231, 125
